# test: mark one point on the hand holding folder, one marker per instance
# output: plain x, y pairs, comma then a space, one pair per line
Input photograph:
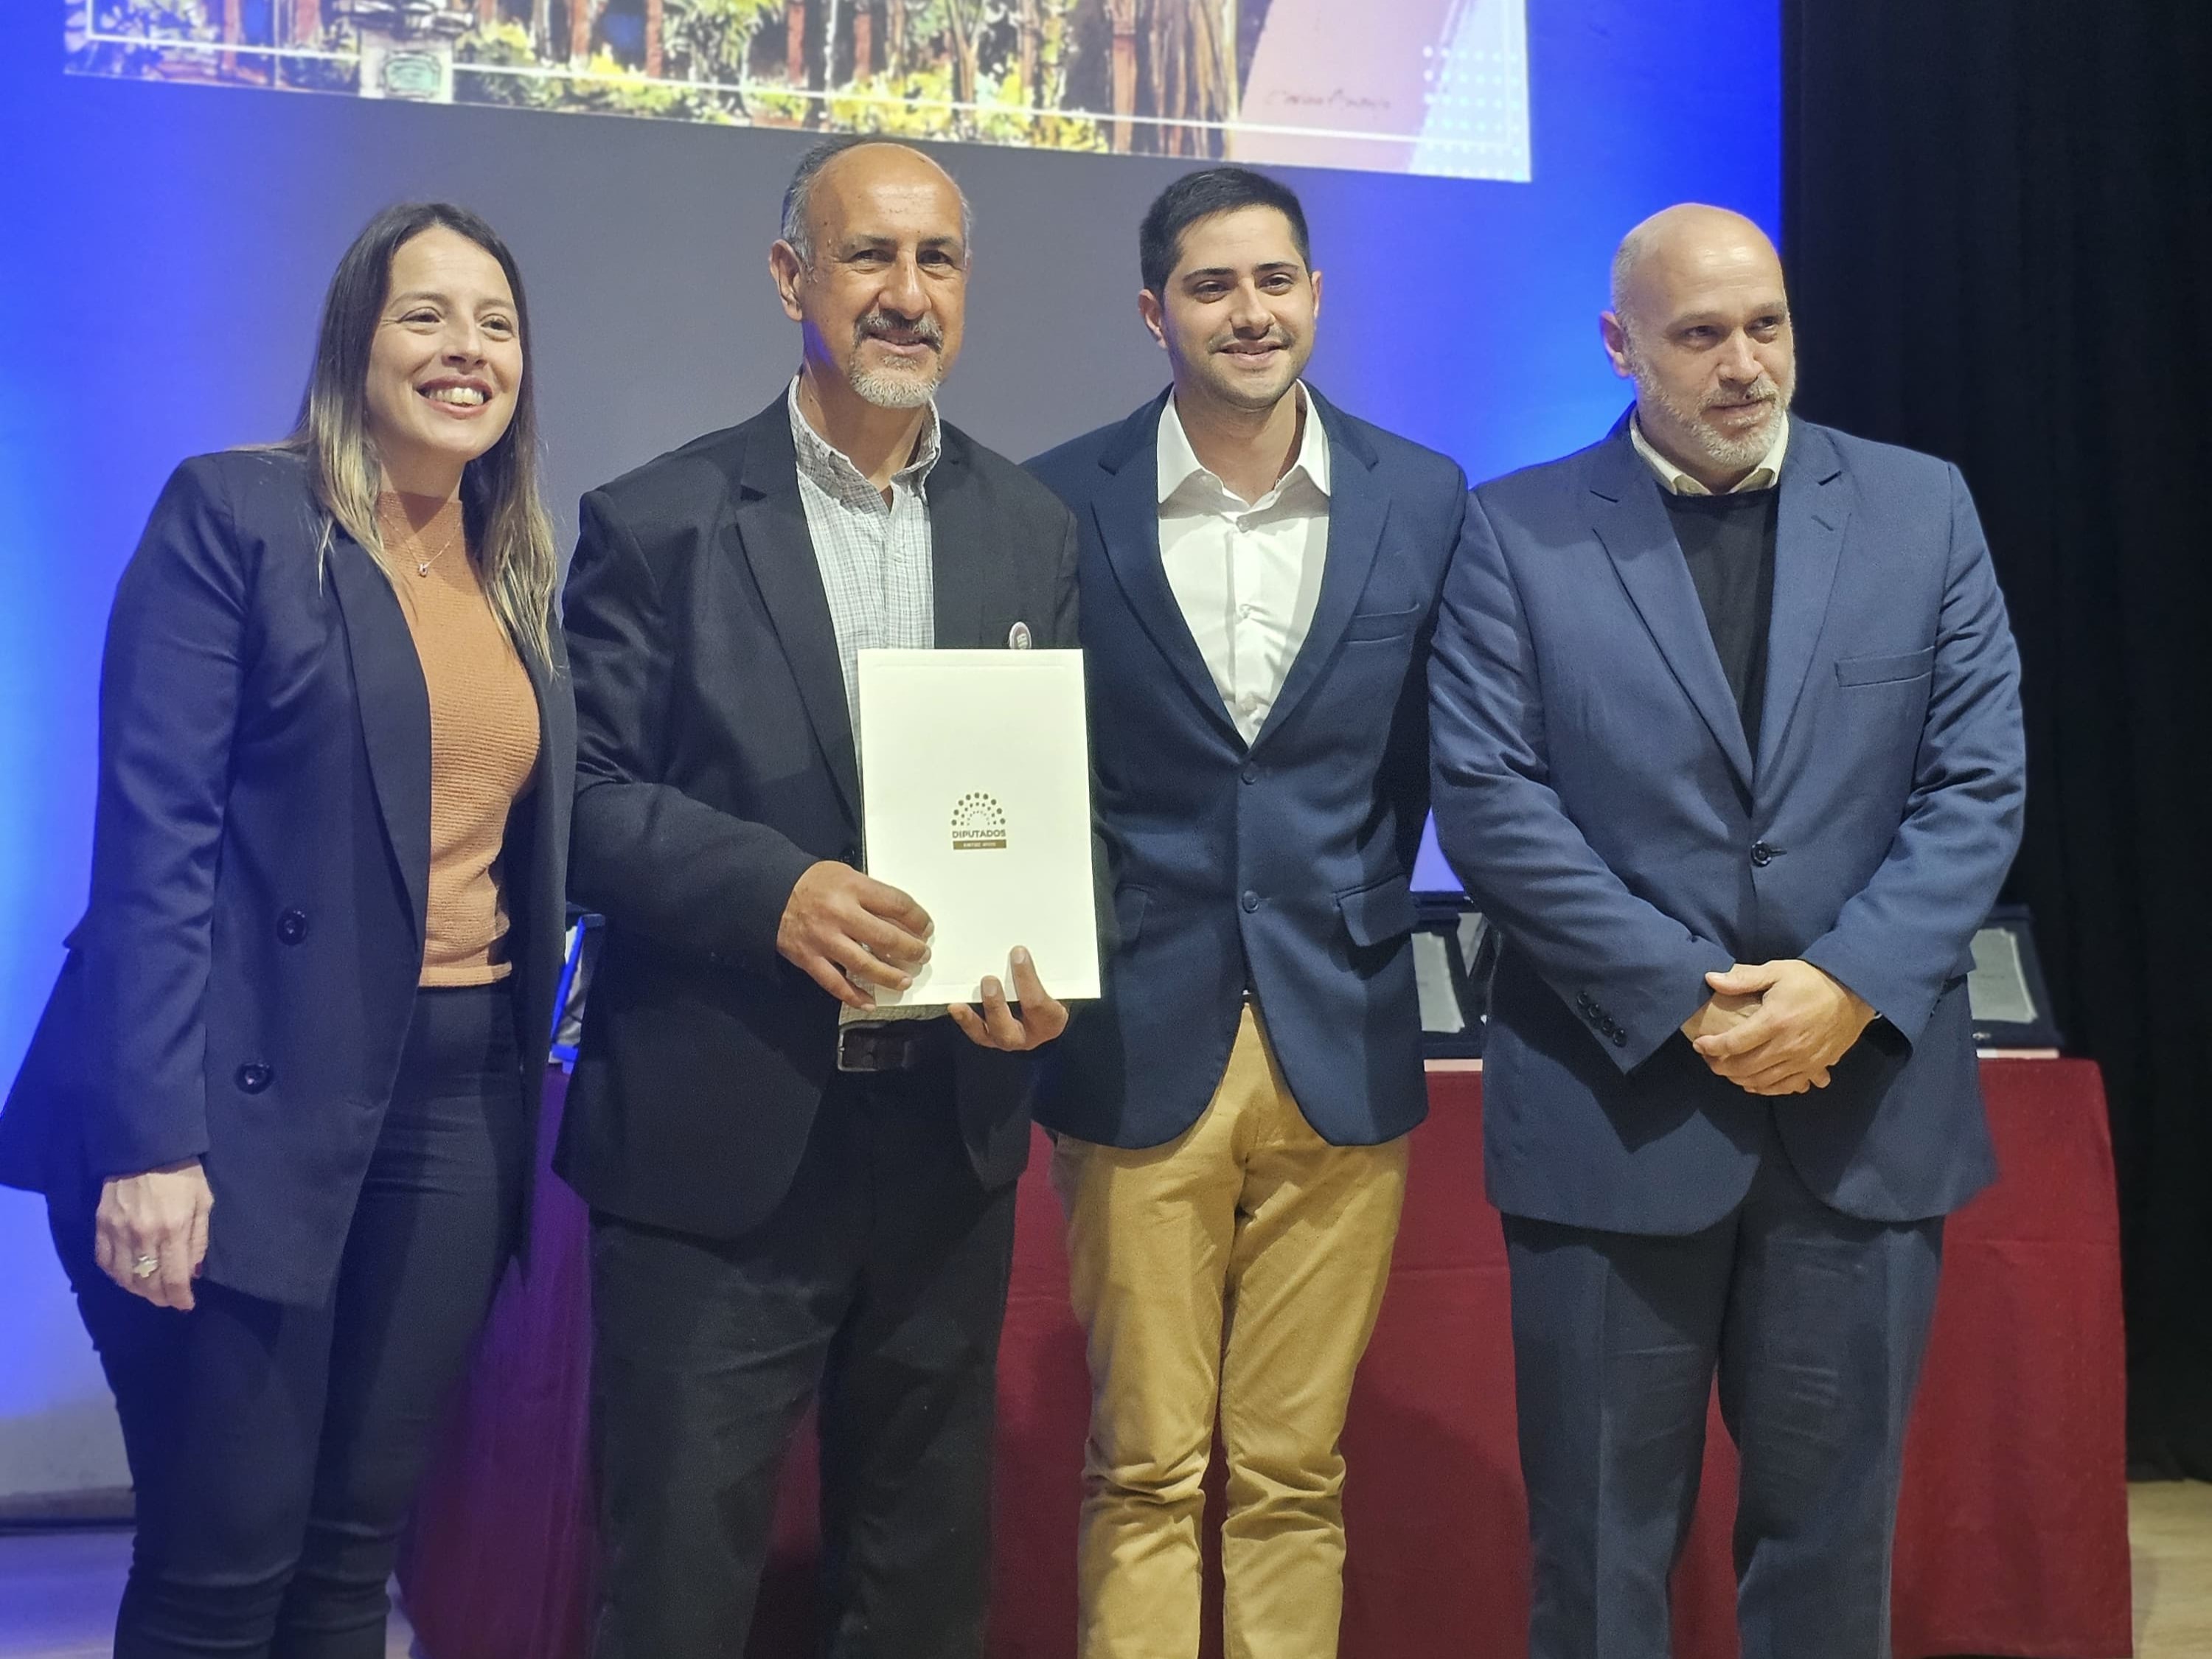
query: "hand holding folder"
975, 784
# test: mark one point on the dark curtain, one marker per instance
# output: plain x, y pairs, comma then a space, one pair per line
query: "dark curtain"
1998, 225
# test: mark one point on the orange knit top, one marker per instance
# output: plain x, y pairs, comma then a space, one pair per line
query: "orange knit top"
484, 735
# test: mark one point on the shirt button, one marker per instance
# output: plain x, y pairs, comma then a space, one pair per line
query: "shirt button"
1250, 901
1244, 613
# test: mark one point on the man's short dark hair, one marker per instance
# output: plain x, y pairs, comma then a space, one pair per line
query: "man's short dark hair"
1202, 195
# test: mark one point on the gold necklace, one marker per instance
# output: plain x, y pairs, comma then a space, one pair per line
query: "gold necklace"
423, 565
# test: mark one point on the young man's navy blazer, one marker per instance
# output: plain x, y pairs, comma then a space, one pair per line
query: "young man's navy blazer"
1283, 866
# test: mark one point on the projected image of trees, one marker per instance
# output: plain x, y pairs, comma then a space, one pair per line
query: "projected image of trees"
1437, 85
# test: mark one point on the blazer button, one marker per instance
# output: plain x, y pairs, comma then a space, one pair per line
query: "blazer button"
253, 1077
851, 855
1621, 1039
1251, 772
292, 927
1250, 901
1761, 855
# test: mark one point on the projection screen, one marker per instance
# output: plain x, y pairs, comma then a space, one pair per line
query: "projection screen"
1430, 87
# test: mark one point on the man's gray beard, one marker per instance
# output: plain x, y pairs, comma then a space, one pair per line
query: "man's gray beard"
1728, 453
895, 389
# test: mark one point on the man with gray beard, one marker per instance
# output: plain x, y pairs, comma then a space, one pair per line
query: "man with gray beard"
1726, 740
782, 1206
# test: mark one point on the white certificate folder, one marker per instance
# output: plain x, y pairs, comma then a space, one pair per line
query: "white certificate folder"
975, 791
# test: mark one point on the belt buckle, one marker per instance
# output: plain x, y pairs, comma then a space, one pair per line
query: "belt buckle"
874, 1049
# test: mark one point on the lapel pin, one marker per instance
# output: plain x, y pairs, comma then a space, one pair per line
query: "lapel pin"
1017, 637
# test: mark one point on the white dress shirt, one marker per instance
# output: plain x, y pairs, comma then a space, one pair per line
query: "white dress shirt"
1246, 574
1676, 482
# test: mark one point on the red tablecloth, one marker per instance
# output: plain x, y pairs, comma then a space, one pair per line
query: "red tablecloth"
2011, 1538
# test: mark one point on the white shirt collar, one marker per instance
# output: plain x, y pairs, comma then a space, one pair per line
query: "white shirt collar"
1676, 482
1179, 462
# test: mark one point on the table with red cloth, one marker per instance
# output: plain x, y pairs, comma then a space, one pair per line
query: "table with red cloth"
2012, 1537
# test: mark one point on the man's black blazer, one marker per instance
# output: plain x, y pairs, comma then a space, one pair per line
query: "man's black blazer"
714, 764
239, 988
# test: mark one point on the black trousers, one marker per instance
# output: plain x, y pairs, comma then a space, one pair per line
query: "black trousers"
1814, 1323
880, 1281
275, 1449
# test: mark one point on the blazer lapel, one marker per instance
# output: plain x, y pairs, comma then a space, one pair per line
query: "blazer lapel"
394, 704
557, 765
968, 560
769, 527
1357, 505
1809, 542
1631, 520
1127, 512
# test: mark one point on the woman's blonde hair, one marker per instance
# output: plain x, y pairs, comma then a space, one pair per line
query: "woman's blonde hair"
509, 537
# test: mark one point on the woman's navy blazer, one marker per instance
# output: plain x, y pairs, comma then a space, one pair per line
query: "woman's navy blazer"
240, 987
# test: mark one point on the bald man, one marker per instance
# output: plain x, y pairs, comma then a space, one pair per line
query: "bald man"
783, 1206
1727, 739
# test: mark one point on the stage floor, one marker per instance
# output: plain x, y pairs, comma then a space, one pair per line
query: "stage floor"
58, 1590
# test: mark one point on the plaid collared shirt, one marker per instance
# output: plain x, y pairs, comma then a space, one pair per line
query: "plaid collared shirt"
874, 555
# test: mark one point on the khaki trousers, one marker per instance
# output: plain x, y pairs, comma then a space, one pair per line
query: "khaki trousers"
1239, 1268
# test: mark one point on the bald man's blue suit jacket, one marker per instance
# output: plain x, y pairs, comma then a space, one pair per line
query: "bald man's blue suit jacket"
1594, 790
1284, 866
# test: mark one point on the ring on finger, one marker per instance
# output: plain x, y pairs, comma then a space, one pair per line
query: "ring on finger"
145, 1267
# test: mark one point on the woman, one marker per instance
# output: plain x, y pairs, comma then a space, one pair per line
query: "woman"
282, 1103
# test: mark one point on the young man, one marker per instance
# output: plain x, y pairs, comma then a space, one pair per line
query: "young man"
1259, 571
1728, 741
778, 1207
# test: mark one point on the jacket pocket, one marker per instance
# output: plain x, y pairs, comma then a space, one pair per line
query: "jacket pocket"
1129, 904
1379, 914
1884, 671
1384, 624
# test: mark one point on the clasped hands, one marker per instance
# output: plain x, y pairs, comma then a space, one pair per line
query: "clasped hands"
1775, 1027
848, 933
